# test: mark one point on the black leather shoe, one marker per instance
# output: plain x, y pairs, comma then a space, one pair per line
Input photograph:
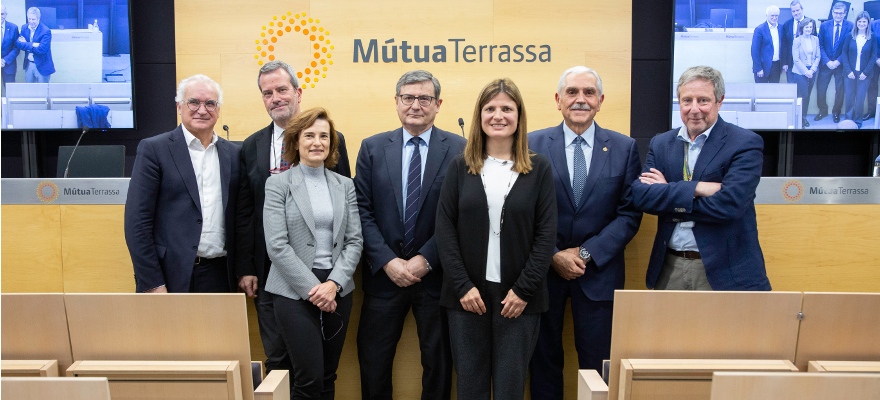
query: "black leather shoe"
820, 116
836, 118
806, 124
867, 117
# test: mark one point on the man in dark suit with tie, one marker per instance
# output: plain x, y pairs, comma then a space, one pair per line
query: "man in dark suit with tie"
10, 51
36, 42
260, 158
398, 179
593, 169
180, 209
831, 36
700, 181
766, 48
789, 32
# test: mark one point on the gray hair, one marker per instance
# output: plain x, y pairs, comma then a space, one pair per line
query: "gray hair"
838, 5
577, 71
276, 65
771, 8
34, 11
795, 3
184, 84
705, 73
415, 77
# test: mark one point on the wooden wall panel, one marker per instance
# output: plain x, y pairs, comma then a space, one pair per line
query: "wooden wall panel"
31, 249
95, 257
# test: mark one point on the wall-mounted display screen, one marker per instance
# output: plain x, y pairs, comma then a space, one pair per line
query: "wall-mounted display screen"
66, 65
787, 65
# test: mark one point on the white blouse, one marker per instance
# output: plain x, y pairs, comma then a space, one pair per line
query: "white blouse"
498, 177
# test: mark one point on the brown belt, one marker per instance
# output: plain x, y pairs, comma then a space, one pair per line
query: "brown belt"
690, 255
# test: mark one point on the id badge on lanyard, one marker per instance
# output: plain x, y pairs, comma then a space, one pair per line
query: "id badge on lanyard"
685, 171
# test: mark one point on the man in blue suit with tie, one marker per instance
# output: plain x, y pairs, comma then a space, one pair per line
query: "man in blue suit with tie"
181, 204
398, 179
36, 42
10, 34
831, 36
700, 181
766, 48
593, 169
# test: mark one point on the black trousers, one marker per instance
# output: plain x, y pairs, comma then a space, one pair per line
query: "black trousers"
822, 83
491, 353
856, 91
270, 333
804, 87
592, 336
210, 276
314, 341
872, 93
380, 328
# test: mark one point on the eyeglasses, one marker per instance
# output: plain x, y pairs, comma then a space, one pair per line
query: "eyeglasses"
341, 324
424, 101
193, 104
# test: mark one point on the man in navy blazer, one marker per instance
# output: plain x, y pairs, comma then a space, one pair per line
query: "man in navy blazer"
789, 32
597, 219
36, 42
700, 181
10, 51
767, 49
398, 178
831, 36
180, 209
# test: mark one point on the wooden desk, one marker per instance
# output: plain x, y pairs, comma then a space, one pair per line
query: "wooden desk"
29, 368
54, 388
167, 380
839, 327
794, 386
35, 328
683, 378
591, 386
276, 386
844, 366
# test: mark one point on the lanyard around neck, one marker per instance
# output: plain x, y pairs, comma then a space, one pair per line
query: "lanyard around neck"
686, 172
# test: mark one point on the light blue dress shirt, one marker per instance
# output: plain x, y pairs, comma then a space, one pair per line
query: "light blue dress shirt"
683, 236
408, 149
589, 137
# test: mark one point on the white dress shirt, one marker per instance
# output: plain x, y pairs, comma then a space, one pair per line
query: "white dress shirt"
774, 33
275, 153
206, 164
860, 42
498, 178
683, 236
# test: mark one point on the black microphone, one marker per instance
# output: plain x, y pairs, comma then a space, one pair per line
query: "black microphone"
461, 124
67, 170
226, 128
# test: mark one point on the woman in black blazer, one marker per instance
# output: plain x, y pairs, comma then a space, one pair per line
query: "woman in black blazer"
496, 228
859, 56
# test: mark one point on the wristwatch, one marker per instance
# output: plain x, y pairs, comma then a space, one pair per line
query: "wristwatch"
584, 254
338, 286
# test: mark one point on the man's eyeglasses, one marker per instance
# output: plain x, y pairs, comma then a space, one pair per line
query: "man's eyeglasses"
424, 101
194, 104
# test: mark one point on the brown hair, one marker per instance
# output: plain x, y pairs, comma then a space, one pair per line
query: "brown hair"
475, 150
302, 122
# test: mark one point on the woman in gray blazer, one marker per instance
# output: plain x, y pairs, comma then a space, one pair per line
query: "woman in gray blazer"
806, 54
313, 237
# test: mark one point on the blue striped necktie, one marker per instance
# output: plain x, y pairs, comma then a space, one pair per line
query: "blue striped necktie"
580, 171
413, 192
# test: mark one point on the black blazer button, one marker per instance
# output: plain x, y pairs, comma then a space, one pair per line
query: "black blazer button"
576, 217
195, 247
199, 221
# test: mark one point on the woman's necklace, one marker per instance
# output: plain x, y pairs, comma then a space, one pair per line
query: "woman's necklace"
509, 182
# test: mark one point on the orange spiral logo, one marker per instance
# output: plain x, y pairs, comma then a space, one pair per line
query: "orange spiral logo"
47, 192
793, 190
311, 30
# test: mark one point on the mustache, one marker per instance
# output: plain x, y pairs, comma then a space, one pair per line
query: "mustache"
580, 106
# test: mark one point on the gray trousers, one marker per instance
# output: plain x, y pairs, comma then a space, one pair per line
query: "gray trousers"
680, 273
491, 353
31, 75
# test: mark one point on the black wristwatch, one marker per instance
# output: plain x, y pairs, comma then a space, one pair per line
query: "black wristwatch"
584, 254
338, 286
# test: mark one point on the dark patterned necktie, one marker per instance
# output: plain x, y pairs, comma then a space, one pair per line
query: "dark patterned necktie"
413, 192
580, 171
